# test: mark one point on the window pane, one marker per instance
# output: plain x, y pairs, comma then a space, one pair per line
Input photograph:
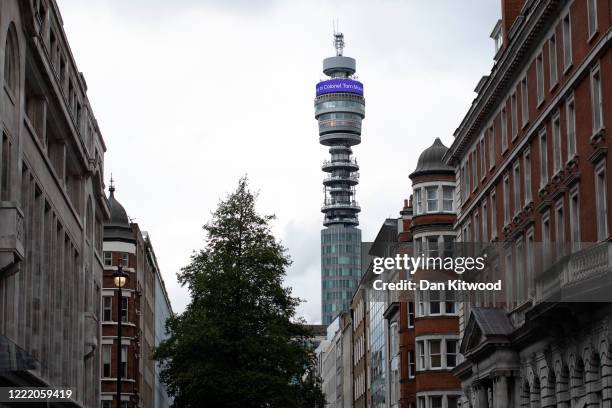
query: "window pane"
432, 246
451, 353
447, 198
435, 353
432, 199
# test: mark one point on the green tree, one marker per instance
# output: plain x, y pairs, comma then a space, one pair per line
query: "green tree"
238, 343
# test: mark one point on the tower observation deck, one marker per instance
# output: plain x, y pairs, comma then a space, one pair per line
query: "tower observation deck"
339, 110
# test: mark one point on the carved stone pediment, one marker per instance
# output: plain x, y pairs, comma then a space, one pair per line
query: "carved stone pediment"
486, 326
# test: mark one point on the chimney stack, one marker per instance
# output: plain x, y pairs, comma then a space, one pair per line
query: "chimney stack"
511, 9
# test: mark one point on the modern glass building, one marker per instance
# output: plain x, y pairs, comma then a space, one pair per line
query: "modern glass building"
339, 109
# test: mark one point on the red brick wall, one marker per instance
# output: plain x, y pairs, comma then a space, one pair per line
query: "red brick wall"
581, 47
510, 11
431, 381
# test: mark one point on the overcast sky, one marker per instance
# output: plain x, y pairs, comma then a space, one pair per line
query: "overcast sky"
190, 95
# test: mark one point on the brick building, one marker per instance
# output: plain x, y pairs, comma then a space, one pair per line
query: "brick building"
436, 328
52, 207
406, 308
360, 339
531, 167
125, 244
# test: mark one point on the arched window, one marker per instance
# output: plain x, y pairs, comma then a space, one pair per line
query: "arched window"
11, 60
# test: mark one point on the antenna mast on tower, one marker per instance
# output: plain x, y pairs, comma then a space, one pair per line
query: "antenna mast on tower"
338, 40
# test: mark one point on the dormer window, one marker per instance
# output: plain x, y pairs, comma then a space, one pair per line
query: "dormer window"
497, 36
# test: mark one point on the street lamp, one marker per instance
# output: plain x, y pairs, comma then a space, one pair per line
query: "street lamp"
120, 278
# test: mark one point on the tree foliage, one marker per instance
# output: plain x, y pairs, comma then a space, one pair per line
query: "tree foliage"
238, 344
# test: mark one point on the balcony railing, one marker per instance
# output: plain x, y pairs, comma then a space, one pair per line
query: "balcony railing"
337, 204
349, 178
340, 161
575, 276
340, 220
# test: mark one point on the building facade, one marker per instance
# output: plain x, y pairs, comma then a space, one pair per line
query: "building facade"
339, 110
360, 336
436, 325
531, 166
52, 208
126, 245
335, 366
163, 311
406, 309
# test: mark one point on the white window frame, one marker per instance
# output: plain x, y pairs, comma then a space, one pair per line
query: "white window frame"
574, 215
418, 198
476, 226
439, 301
430, 354
503, 115
423, 298
506, 188
546, 231
125, 301
424, 343
485, 221
592, 18
566, 30
452, 201
519, 267
570, 127
105, 308
530, 259
516, 187
465, 189
483, 157
514, 113
601, 202
493, 211
474, 170
125, 259
559, 222
552, 60
124, 361
508, 266
596, 105
524, 101
540, 85
421, 354
108, 258
421, 195
557, 152
411, 315
435, 200
527, 177
491, 143
543, 148
107, 352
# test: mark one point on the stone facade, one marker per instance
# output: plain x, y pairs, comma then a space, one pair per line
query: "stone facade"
52, 207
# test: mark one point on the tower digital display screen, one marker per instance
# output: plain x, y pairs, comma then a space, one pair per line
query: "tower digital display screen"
339, 85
